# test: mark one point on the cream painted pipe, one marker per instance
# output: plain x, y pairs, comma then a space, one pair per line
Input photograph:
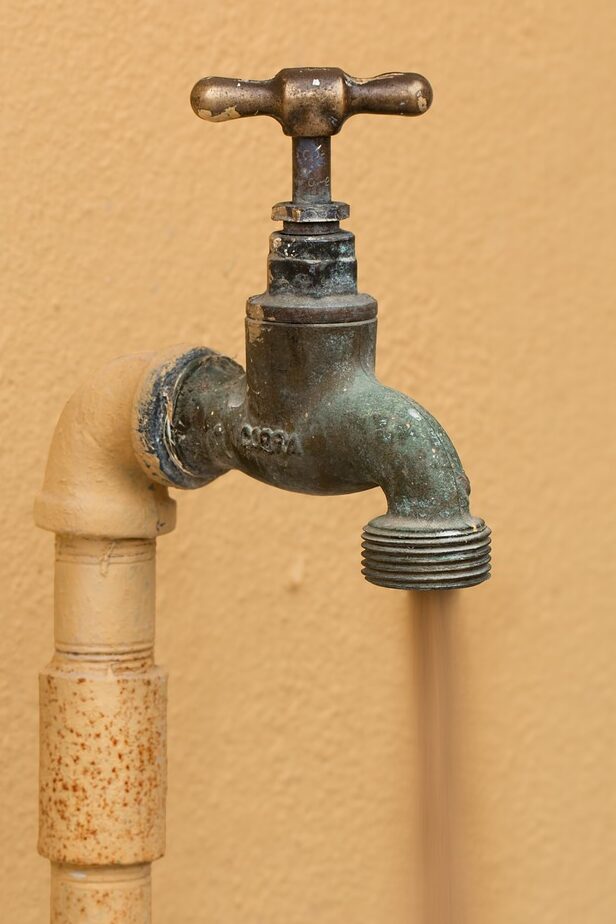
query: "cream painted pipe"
100, 895
102, 698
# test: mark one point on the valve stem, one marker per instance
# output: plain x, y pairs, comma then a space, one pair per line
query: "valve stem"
312, 169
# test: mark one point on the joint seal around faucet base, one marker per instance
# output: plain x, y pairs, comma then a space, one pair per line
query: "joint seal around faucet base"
411, 558
153, 437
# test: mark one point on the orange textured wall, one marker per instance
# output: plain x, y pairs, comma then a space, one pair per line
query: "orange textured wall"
338, 752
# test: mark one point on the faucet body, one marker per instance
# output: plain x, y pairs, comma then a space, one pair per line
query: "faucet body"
309, 415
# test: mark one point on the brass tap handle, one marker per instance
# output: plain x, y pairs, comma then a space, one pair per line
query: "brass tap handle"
310, 102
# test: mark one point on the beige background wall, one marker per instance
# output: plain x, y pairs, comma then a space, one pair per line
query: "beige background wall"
301, 697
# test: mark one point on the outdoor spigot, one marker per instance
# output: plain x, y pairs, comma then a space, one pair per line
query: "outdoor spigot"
308, 414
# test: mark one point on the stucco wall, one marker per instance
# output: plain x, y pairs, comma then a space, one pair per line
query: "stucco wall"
301, 697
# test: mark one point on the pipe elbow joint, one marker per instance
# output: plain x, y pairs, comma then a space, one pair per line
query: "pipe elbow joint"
94, 483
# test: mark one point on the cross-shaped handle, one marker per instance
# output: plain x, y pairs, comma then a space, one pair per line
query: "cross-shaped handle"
310, 102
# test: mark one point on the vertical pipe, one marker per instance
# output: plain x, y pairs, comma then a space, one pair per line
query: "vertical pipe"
102, 753
100, 895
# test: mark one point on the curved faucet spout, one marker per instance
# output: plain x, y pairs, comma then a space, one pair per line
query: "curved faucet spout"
403, 449
427, 539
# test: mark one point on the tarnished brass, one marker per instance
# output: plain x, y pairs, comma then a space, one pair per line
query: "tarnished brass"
310, 102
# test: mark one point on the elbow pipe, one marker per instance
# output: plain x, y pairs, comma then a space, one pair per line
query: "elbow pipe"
94, 484
309, 415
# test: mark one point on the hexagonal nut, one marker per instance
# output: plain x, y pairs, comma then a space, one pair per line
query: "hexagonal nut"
316, 211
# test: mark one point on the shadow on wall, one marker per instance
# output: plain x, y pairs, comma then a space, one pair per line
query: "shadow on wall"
432, 615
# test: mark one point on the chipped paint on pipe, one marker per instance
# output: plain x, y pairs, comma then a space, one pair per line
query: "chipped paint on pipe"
102, 698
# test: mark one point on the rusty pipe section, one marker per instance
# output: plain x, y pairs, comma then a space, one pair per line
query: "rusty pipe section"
102, 697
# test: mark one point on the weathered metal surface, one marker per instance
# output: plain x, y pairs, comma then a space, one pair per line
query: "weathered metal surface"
312, 169
433, 559
316, 216
155, 436
309, 414
311, 278
310, 102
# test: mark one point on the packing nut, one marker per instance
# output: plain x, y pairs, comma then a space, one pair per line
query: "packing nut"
314, 212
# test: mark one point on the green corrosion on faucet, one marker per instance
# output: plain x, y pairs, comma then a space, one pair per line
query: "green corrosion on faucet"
308, 413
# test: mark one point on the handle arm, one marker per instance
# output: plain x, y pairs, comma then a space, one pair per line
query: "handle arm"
311, 102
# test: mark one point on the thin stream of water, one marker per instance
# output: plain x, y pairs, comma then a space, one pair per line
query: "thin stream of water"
432, 614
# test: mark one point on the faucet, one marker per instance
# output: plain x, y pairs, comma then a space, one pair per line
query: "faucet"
308, 414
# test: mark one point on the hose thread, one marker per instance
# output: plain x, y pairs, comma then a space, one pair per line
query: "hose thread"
426, 559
